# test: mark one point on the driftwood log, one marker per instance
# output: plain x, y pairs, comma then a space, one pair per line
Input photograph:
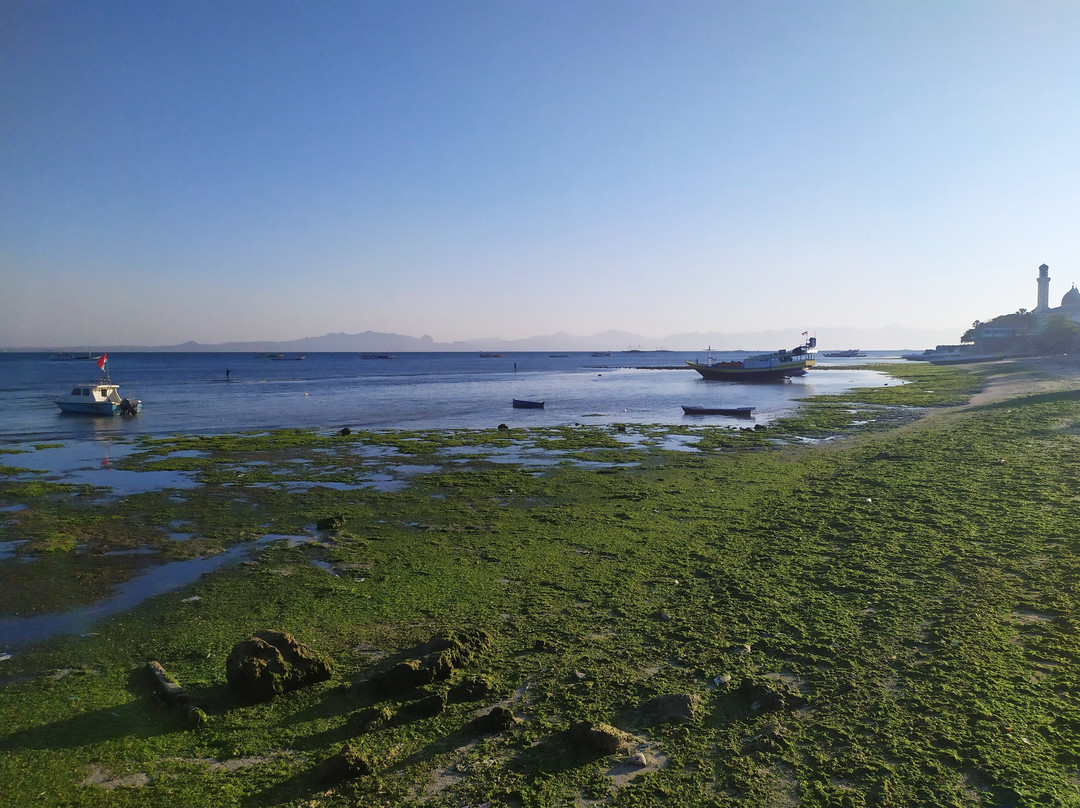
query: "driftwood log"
169, 693
166, 690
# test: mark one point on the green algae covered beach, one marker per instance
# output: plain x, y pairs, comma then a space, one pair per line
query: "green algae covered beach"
871, 603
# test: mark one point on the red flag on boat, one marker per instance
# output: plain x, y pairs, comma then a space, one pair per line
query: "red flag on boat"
101, 361
804, 333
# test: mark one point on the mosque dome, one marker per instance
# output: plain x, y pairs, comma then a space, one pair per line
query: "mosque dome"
1071, 298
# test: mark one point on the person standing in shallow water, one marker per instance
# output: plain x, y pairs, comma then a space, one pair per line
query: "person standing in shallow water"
227, 372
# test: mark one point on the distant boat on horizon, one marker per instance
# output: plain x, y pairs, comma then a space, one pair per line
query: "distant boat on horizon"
67, 356
846, 352
951, 355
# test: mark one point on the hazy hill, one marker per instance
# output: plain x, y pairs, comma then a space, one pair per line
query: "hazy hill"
886, 337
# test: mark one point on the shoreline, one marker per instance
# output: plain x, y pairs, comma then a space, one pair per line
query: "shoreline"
858, 588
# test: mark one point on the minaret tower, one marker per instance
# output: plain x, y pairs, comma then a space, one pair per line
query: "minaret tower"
1044, 289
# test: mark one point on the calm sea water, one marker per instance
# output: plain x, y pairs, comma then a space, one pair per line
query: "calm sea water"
188, 393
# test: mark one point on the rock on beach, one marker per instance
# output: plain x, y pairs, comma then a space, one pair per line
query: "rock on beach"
270, 663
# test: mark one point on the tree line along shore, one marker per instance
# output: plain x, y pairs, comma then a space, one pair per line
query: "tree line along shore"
870, 603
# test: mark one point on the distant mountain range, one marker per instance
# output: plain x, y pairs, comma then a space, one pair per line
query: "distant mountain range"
883, 338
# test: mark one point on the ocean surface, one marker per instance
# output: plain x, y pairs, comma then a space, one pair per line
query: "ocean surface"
207, 393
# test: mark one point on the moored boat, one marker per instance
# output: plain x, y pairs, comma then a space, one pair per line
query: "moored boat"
522, 404
366, 355
65, 356
761, 367
98, 398
844, 353
952, 355
734, 412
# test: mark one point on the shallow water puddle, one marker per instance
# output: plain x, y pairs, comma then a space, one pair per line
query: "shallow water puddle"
158, 580
92, 463
680, 443
8, 549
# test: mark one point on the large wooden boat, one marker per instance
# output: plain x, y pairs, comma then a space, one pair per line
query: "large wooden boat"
761, 367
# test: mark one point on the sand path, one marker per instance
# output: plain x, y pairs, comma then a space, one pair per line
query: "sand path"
1032, 377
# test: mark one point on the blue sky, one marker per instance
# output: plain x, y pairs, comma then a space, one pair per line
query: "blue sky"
272, 170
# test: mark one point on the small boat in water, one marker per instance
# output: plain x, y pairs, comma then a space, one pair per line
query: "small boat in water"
364, 355
65, 356
761, 367
848, 352
733, 412
490, 355
521, 404
951, 355
98, 398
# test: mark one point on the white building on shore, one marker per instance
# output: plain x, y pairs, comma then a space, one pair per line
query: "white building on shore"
1070, 302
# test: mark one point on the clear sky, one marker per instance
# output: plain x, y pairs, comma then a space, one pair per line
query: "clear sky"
246, 170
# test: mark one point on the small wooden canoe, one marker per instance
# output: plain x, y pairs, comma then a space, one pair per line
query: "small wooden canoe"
734, 412
520, 404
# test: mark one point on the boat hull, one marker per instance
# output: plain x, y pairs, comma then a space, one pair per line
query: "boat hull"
520, 404
963, 360
952, 358
736, 371
95, 407
733, 412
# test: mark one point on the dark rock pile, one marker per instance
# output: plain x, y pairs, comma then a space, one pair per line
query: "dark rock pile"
271, 663
435, 661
